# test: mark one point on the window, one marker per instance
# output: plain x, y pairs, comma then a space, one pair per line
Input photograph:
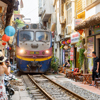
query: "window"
69, 13
26, 36
42, 36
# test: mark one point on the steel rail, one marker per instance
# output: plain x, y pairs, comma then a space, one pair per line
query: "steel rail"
64, 88
40, 88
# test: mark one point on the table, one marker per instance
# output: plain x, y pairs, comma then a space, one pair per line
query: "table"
86, 78
76, 75
70, 74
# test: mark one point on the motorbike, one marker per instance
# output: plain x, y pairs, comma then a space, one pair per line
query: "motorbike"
9, 90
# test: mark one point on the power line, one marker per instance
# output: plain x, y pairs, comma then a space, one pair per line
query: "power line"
31, 11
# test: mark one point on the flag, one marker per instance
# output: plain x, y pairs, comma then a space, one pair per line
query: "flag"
21, 4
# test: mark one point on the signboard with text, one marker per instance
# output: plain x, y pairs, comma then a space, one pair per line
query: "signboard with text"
72, 53
75, 37
90, 46
77, 21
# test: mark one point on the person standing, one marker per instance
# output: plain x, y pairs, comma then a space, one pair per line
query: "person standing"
3, 70
95, 69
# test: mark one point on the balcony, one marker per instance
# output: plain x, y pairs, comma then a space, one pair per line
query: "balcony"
47, 10
80, 6
62, 20
40, 11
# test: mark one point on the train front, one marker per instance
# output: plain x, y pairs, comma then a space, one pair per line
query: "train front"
34, 51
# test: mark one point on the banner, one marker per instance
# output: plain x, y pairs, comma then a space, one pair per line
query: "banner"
72, 53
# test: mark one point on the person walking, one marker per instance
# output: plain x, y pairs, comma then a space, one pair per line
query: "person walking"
3, 70
95, 69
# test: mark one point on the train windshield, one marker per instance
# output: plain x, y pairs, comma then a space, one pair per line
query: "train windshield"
42, 36
26, 36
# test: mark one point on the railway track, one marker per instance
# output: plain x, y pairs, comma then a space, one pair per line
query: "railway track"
48, 89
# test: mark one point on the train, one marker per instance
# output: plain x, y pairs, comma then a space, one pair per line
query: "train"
33, 50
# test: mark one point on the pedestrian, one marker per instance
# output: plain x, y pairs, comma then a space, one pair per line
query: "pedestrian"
11, 60
95, 69
3, 70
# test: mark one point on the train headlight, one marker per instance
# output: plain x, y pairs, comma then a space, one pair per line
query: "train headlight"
21, 51
47, 51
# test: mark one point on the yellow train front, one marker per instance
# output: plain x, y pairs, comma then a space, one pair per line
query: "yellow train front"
33, 50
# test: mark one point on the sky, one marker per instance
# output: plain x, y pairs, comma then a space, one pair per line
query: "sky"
30, 10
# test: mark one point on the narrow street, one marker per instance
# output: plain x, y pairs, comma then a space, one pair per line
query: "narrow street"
49, 49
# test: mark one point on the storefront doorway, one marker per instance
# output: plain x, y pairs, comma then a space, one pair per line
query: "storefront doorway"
76, 56
99, 48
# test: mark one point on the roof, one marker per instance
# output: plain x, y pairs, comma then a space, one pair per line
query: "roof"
90, 21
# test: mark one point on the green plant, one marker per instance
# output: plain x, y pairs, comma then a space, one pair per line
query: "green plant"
70, 62
81, 57
79, 43
54, 63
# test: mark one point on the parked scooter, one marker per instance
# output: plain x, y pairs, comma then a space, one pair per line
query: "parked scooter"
9, 90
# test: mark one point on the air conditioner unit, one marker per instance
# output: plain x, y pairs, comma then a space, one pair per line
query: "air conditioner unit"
68, 29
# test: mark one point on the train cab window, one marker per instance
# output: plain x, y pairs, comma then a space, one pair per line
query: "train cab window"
42, 36
26, 36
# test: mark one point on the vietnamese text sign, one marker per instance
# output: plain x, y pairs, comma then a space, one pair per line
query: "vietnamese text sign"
75, 37
90, 46
77, 21
72, 53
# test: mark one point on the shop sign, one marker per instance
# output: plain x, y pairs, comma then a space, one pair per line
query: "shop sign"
77, 21
90, 46
72, 53
75, 37
96, 29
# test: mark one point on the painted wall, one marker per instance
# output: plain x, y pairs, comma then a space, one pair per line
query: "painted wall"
93, 11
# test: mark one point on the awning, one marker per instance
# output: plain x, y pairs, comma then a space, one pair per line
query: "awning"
53, 27
91, 21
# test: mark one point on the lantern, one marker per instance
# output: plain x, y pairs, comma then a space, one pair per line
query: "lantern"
80, 31
67, 41
65, 47
5, 38
3, 43
63, 42
10, 48
7, 48
9, 31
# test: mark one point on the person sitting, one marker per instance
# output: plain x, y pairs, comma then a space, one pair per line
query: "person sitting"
3, 70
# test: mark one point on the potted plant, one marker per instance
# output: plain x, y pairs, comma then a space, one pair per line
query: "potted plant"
54, 64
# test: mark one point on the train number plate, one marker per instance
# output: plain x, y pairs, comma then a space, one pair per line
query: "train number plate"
34, 53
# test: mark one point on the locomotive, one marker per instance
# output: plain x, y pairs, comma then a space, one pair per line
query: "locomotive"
33, 50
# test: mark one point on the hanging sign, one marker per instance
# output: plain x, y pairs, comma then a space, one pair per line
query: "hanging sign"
90, 46
72, 53
77, 21
75, 37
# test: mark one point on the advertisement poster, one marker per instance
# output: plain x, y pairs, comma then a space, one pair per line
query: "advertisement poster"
90, 46
72, 53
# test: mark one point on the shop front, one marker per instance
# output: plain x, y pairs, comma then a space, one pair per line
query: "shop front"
91, 27
74, 54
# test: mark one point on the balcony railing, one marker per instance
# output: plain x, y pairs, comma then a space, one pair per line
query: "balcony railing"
62, 20
80, 5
